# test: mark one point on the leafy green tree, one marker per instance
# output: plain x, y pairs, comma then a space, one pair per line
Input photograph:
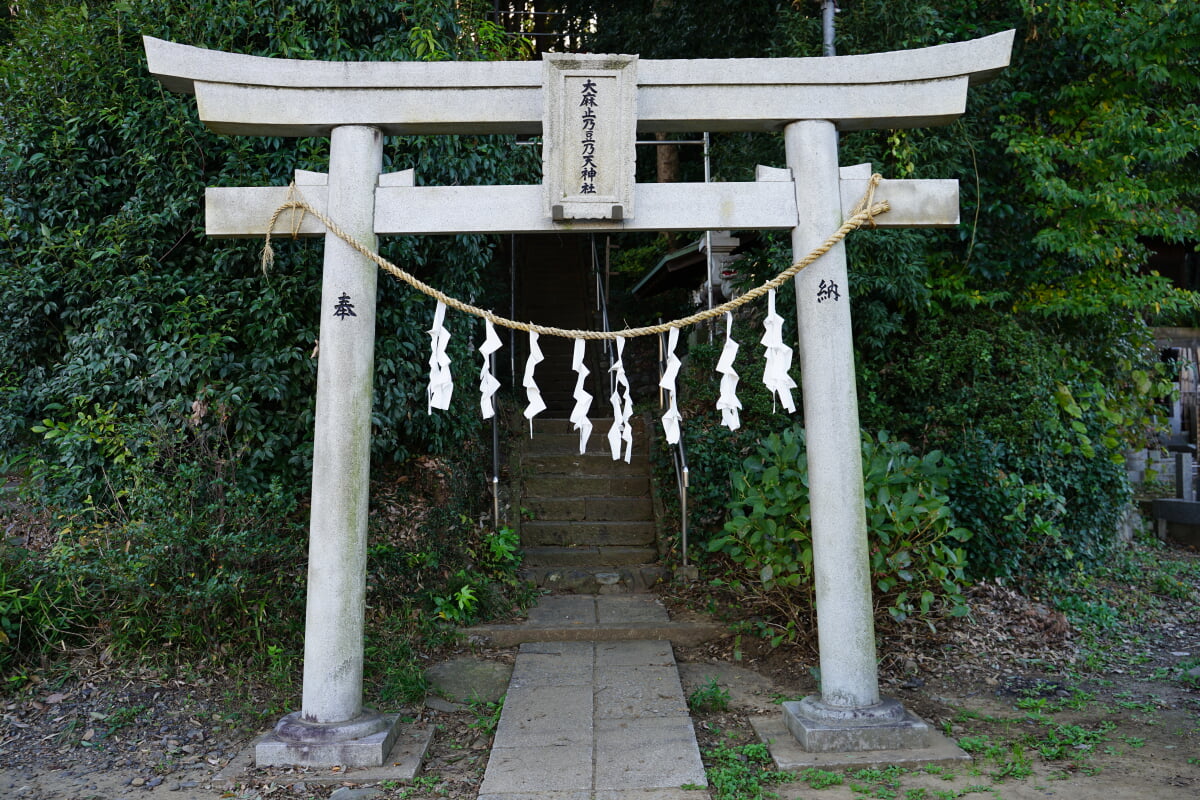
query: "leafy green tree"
1108, 145
1017, 343
112, 300
679, 29
1080, 151
1030, 361
164, 384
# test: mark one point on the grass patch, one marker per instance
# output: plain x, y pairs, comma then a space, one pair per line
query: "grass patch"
709, 697
1125, 600
742, 772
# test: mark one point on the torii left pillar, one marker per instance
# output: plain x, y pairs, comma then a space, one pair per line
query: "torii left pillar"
332, 727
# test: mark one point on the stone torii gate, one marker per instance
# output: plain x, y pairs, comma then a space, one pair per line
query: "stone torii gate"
589, 110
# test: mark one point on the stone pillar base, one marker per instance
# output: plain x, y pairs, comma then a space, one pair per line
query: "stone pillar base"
820, 728
364, 741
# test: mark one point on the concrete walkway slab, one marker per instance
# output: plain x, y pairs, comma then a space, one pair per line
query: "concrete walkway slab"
551, 716
651, 753
542, 670
636, 653
639, 691
593, 721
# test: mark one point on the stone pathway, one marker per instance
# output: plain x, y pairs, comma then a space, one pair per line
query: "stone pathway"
588, 720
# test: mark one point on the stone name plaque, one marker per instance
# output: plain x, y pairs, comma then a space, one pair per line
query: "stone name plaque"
588, 135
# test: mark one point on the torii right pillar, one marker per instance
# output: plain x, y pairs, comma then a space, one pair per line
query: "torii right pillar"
849, 714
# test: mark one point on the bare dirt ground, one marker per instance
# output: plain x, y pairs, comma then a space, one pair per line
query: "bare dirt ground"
1014, 685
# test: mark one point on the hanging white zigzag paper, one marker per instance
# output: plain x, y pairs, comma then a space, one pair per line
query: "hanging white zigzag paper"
727, 403
671, 419
626, 425
583, 400
441, 382
621, 430
532, 393
778, 356
487, 381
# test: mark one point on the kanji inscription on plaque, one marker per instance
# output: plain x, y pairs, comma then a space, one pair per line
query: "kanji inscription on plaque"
588, 135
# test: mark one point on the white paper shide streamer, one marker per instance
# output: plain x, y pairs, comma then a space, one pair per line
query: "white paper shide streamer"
487, 381
727, 403
583, 400
778, 357
535, 403
441, 382
671, 419
622, 406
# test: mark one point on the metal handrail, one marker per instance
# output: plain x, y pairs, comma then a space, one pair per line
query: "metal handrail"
681, 481
610, 346
512, 355
495, 457
678, 457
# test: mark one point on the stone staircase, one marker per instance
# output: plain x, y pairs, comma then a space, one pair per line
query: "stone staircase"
555, 289
590, 526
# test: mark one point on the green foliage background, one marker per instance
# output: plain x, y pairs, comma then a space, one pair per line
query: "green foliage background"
1017, 343
916, 567
147, 371
110, 291
157, 388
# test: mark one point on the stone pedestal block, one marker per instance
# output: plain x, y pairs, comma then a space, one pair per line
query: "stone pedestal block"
820, 728
361, 742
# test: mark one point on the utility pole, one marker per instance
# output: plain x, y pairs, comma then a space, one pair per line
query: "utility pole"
828, 9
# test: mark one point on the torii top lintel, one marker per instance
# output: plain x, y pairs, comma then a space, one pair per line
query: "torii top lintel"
251, 95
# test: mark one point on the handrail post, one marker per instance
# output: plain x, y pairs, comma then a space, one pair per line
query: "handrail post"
683, 510
495, 457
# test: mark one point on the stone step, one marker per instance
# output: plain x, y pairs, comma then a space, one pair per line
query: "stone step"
588, 556
559, 401
597, 509
606, 580
547, 486
562, 443
608, 615
563, 426
599, 534
546, 464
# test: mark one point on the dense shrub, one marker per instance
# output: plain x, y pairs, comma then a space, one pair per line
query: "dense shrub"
181, 558
917, 567
35, 611
1036, 513
1035, 428
188, 559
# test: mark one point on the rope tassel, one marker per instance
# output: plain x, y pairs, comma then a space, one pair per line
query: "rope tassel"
778, 357
727, 403
621, 431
